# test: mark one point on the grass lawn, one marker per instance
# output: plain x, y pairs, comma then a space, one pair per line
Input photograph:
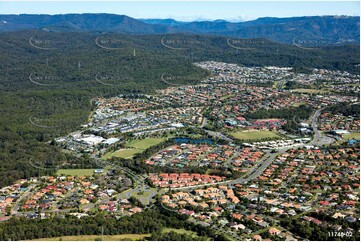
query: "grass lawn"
274, 85
76, 172
254, 135
226, 97
134, 147
353, 135
122, 153
136, 195
93, 237
296, 105
144, 143
180, 231
304, 90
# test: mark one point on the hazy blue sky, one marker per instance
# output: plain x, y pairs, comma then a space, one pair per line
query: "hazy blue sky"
234, 11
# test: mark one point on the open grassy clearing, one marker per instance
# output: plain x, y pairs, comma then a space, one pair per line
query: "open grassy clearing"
274, 85
144, 143
254, 135
296, 105
123, 153
346, 137
315, 91
93, 237
227, 97
180, 231
76, 172
134, 147
353, 135
136, 195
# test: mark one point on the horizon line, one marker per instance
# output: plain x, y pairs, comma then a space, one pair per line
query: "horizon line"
232, 20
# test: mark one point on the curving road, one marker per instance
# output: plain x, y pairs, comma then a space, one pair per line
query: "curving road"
256, 171
317, 134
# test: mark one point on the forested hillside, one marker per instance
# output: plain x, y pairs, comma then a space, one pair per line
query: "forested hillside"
312, 30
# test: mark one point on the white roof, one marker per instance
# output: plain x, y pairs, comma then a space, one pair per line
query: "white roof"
111, 141
341, 131
92, 140
177, 125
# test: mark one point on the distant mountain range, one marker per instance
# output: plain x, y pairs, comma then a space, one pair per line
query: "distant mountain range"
314, 30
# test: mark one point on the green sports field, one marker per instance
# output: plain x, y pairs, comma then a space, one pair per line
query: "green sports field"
134, 147
144, 143
254, 135
315, 91
353, 135
76, 172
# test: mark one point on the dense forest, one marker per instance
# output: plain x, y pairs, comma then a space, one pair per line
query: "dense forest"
174, 236
150, 221
46, 94
293, 115
49, 79
346, 109
301, 112
313, 232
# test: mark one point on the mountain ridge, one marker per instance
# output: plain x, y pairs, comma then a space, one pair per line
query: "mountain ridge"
320, 30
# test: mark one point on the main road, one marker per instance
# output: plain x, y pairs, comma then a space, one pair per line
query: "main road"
319, 138
218, 135
268, 159
317, 134
256, 171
